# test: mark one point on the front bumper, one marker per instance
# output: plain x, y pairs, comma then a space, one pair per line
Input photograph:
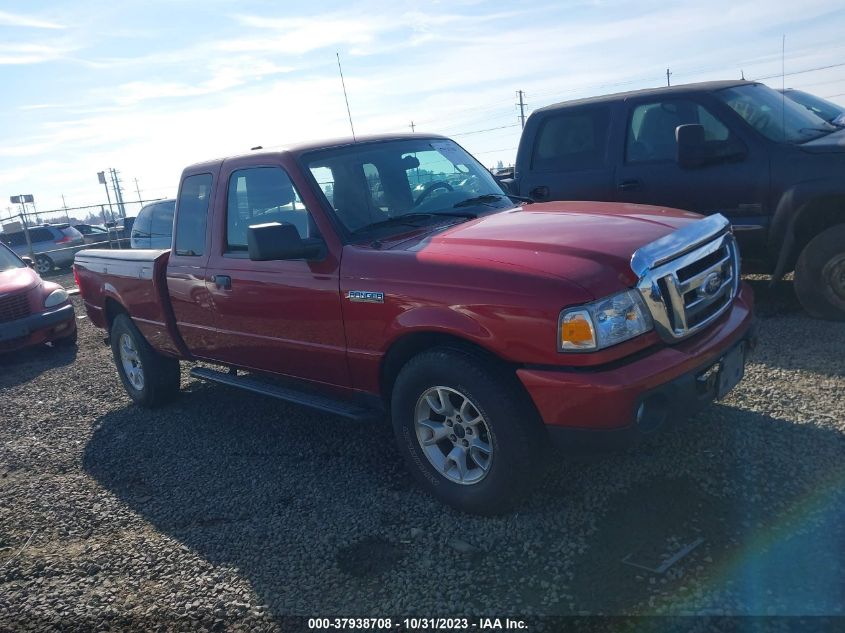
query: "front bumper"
608, 398
38, 328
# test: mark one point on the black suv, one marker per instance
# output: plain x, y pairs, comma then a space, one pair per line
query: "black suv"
739, 148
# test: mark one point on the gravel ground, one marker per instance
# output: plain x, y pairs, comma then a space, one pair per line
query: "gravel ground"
226, 511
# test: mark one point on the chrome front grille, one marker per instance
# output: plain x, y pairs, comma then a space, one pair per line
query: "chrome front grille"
14, 307
690, 277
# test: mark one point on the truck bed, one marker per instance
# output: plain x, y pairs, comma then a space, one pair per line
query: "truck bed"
132, 282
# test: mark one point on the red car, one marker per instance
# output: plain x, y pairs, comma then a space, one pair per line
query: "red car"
32, 311
393, 276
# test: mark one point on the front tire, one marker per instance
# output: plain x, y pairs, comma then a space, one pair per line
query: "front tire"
820, 275
43, 264
466, 430
149, 378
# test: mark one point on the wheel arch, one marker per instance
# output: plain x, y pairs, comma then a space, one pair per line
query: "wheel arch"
113, 308
409, 345
817, 216
819, 211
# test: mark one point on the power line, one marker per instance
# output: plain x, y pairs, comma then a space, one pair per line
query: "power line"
491, 151
801, 72
490, 129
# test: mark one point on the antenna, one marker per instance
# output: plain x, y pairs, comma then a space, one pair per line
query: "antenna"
783, 86
343, 83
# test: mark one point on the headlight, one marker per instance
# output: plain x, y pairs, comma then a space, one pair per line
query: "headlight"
55, 298
603, 323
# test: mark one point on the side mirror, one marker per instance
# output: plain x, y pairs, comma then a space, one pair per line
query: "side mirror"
691, 148
274, 241
507, 184
28, 261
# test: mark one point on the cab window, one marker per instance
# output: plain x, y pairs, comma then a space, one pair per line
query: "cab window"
258, 195
651, 131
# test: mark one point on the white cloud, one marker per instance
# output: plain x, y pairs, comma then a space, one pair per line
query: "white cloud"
31, 53
17, 19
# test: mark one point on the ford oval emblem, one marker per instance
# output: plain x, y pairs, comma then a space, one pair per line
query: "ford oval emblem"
712, 284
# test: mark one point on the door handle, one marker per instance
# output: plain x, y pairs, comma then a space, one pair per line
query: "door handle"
538, 193
630, 185
223, 282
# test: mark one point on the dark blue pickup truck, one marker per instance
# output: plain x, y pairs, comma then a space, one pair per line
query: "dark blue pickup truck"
738, 148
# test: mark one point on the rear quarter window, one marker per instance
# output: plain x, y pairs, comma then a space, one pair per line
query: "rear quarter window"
41, 234
572, 140
192, 219
14, 239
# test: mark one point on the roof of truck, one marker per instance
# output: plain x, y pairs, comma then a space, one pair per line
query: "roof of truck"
301, 148
704, 86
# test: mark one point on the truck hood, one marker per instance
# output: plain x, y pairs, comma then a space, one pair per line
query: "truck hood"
18, 280
589, 244
827, 144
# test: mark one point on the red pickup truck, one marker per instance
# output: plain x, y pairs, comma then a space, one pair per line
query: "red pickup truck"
392, 275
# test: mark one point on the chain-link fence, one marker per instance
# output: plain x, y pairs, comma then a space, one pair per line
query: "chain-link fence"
51, 238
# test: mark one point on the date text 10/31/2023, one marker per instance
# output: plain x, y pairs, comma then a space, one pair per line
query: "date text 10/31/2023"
418, 624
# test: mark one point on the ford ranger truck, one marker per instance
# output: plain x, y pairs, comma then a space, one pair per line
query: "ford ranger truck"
392, 276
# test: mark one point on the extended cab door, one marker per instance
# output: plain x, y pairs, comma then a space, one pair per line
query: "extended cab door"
276, 316
186, 286
564, 154
735, 183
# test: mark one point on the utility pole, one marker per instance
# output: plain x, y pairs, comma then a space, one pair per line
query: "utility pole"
101, 176
413, 127
138, 189
668, 74
22, 199
118, 194
521, 105
64, 206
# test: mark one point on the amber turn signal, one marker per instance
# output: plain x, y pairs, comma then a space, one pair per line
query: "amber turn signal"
576, 331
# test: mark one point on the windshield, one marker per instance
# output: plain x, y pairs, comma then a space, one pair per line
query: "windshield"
9, 260
773, 115
384, 185
823, 108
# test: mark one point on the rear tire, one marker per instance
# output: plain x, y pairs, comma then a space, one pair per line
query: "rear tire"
149, 378
467, 431
820, 275
43, 264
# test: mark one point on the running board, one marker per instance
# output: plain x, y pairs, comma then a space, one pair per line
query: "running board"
304, 398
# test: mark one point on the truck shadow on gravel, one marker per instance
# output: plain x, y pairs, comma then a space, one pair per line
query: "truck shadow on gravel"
789, 338
771, 300
25, 364
320, 517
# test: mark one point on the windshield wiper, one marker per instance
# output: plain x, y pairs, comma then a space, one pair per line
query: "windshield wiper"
407, 218
489, 197
816, 129
813, 137
482, 199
